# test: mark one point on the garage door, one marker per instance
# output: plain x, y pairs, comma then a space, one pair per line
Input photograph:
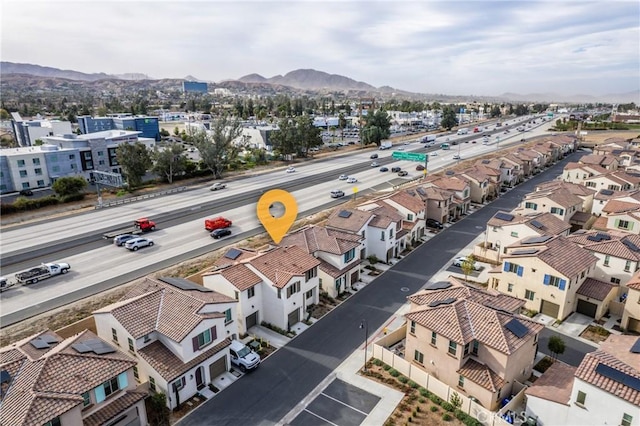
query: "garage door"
294, 317
251, 320
217, 368
634, 325
587, 308
354, 277
549, 308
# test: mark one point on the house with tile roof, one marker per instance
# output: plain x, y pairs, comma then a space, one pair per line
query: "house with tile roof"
603, 390
276, 286
178, 332
505, 229
339, 253
627, 221
612, 181
461, 193
609, 162
458, 336
413, 209
439, 202
384, 233
581, 191
546, 272
631, 314
479, 183
81, 380
578, 173
508, 173
517, 168
604, 196
559, 202
618, 254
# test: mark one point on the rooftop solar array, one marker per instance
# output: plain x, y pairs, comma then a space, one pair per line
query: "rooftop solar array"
421, 191
446, 301
504, 216
636, 347
440, 285
97, 346
538, 240
450, 173
232, 253
184, 284
525, 252
5, 377
618, 376
599, 236
630, 245
517, 328
344, 214
43, 342
537, 224
606, 192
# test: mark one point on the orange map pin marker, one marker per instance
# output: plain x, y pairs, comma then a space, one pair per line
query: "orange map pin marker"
277, 227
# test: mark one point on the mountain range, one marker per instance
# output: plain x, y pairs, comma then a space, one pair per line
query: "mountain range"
310, 80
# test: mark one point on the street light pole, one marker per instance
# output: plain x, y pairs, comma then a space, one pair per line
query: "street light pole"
365, 325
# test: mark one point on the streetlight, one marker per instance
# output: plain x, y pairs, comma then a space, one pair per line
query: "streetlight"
365, 325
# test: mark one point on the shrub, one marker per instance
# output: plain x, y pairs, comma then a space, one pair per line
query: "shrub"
403, 379
422, 400
386, 367
373, 259
394, 372
447, 406
543, 365
425, 393
436, 399
446, 417
433, 408
413, 384
377, 362
470, 421
460, 415
72, 197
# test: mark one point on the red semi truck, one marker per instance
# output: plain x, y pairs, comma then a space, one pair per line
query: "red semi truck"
139, 226
216, 223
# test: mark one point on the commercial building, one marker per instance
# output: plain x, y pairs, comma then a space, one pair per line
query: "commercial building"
194, 87
148, 127
27, 132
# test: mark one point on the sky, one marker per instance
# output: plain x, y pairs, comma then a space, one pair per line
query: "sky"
564, 47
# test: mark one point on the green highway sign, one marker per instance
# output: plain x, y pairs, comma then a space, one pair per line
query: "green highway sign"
411, 156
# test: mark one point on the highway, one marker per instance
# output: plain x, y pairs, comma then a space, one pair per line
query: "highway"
97, 265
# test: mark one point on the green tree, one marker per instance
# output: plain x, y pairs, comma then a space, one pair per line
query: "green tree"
342, 121
69, 185
157, 410
449, 119
284, 139
217, 147
307, 135
38, 142
4, 114
495, 111
467, 266
556, 346
455, 400
376, 127
169, 162
135, 160
176, 131
164, 133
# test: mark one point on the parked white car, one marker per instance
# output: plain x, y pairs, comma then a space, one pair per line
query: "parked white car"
458, 261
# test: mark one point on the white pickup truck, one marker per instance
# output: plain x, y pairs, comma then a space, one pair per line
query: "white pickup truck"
42, 272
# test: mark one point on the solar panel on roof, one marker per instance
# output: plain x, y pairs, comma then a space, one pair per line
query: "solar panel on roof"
421, 191
618, 376
5, 377
184, 284
440, 285
449, 173
636, 347
99, 347
517, 328
630, 245
525, 252
537, 224
537, 240
604, 236
344, 214
594, 238
232, 253
606, 192
504, 216
446, 301
101, 350
49, 339
39, 344
81, 348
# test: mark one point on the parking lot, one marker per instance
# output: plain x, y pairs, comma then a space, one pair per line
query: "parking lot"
339, 404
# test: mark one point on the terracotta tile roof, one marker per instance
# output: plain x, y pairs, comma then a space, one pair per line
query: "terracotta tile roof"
240, 276
385, 215
606, 356
115, 407
560, 196
31, 351
284, 263
614, 194
464, 320
354, 223
491, 172
245, 255
627, 177
615, 246
481, 375
617, 206
574, 188
600, 223
555, 384
53, 384
634, 282
596, 289
162, 307
317, 238
433, 193
593, 159
580, 218
411, 203
451, 183
551, 224
517, 218
334, 272
475, 174
168, 365
566, 257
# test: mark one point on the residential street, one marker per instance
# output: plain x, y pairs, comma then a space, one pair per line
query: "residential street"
268, 394
575, 349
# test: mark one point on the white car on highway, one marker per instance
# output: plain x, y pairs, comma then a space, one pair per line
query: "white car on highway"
352, 180
291, 169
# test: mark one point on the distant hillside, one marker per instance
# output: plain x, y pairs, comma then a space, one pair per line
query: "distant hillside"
627, 97
309, 79
40, 71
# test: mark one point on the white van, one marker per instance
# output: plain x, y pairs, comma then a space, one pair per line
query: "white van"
242, 356
463, 131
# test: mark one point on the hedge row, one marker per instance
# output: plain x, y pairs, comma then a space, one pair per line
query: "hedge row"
23, 204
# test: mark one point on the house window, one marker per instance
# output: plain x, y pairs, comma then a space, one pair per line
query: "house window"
363, 234
554, 281
453, 347
410, 217
54, 158
319, 285
114, 335
110, 386
627, 266
615, 280
179, 384
390, 233
205, 338
348, 256
581, 397
147, 339
418, 356
466, 349
293, 289
38, 172
434, 337
474, 349
136, 373
53, 422
227, 316
382, 236
251, 292
152, 384
20, 163
412, 330
607, 258
532, 206
101, 162
623, 224
72, 156
557, 210
311, 273
461, 381
510, 287
36, 161
100, 153
86, 399
23, 173
131, 347
513, 267
309, 294
55, 169
514, 234
40, 183
529, 295
626, 419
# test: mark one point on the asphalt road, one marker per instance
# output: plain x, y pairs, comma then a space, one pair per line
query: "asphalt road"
292, 372
575, 349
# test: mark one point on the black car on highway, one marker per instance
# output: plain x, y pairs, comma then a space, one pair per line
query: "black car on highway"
219, 233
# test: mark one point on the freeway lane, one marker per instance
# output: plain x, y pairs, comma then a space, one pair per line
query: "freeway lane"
286, 377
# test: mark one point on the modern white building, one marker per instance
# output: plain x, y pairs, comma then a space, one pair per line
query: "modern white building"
27, 132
